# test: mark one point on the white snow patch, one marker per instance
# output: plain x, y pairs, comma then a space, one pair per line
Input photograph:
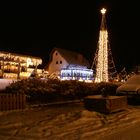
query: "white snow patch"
68, 122
5, 82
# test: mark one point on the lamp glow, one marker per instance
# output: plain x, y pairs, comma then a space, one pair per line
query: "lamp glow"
103, 11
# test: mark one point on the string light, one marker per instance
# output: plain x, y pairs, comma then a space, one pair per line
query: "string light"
102, 57
77, 73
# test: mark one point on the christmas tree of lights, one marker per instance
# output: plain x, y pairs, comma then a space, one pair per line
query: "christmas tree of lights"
103, 55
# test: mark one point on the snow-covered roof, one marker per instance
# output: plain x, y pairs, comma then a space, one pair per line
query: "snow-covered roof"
131, 85
72, 57
134, 80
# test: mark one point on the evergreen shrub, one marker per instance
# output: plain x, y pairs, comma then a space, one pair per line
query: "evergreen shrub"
43, 91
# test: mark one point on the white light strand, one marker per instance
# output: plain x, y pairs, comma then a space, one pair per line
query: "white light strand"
102, 59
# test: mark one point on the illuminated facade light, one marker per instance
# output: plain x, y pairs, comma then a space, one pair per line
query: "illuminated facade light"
76, 73
16, 65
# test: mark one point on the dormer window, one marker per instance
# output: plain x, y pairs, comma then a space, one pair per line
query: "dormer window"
56, 53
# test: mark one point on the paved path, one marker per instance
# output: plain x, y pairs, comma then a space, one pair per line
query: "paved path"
129, 133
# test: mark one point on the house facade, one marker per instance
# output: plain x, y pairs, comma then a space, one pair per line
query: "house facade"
68, 65
60, 58
17, 66
57, 61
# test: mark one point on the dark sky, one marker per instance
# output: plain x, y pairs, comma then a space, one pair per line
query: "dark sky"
75, 26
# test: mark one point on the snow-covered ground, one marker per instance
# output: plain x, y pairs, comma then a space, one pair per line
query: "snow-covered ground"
64, 122
5, 82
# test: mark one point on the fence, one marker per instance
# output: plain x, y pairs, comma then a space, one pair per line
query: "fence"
12, 101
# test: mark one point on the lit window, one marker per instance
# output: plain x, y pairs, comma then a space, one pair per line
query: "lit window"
56, 62
60, 62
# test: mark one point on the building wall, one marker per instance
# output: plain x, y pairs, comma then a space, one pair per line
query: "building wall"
13, 66
57, 63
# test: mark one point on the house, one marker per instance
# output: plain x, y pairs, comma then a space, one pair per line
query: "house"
68, 64
17, 66
60, 58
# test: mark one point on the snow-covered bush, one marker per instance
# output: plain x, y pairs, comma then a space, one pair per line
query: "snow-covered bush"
38, 90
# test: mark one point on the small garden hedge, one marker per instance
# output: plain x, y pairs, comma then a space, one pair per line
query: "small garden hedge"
43, 91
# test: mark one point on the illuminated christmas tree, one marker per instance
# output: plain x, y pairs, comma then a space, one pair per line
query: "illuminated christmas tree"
103, 60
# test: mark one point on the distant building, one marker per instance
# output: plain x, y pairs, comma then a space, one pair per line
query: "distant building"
68, 64
17, 66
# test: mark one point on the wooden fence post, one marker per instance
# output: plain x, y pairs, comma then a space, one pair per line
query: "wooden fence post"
12, 101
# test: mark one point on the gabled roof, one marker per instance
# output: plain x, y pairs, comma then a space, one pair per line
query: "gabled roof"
72, 57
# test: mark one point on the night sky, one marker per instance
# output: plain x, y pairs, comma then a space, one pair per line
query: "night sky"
74, 26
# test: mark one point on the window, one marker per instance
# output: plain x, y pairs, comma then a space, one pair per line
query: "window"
60, 62
55, 53
56, 62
